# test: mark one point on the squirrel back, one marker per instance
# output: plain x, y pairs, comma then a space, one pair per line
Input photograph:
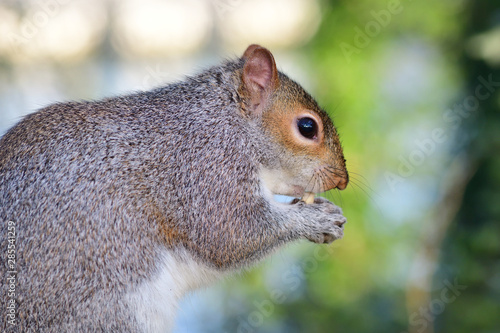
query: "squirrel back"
120, 206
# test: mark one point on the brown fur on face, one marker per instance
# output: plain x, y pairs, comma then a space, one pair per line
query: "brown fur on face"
289, 103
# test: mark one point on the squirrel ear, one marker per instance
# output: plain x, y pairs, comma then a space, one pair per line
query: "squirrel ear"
260, 76
250, 50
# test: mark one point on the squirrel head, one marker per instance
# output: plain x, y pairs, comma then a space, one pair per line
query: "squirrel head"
306, 151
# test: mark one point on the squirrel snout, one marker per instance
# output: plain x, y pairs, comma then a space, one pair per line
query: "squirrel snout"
333, 178
342, 182
336, 179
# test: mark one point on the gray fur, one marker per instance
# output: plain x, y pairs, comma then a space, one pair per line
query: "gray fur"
97, 189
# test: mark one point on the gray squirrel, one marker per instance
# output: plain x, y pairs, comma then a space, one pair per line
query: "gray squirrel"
114, 209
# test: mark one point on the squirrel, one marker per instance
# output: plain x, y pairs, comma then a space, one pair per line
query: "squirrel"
117, 208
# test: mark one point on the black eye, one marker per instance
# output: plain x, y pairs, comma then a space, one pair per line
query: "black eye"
307, 127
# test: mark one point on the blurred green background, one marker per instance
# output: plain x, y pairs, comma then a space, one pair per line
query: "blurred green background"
413, 87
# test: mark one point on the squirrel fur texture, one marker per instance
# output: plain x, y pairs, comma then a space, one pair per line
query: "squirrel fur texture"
123, 205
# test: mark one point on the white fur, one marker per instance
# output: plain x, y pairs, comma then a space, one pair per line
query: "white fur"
276, 181
155, 302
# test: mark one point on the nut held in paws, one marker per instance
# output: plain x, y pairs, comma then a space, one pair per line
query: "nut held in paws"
308, 198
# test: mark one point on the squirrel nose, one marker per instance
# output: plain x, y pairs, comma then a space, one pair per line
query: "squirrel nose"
342, 183
340, 180
337, 179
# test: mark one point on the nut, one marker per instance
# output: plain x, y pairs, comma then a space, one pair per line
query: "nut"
308, 198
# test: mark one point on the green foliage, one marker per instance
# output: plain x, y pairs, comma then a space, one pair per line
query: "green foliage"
386, 98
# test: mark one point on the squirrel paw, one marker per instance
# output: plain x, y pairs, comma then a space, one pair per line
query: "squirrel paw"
326, 222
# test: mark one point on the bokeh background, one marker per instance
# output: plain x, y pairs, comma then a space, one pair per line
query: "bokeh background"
413, 87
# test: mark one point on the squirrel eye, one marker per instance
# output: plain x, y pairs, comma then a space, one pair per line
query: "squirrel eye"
307, 127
